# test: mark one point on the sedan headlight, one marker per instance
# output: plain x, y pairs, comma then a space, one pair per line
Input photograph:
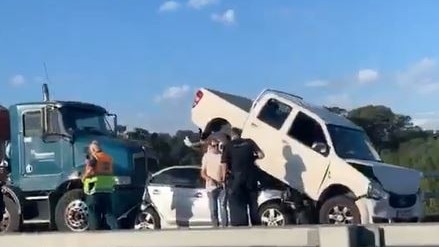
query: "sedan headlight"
376, 191
122, 180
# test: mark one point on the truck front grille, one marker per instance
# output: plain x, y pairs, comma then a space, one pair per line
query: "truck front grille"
402, 201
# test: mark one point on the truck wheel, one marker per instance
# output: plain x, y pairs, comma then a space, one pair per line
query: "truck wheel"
147, 220
11, 218
274, 214
71, 212
339, 210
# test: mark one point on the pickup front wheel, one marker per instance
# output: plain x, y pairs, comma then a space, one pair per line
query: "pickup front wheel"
71, 213
339, 210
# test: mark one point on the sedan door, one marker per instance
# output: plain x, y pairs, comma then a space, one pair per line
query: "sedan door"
161, 192
190, 198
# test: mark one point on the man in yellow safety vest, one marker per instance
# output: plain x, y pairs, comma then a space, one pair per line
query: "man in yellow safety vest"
98, 181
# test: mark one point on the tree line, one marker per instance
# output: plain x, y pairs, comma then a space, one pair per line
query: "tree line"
394, 135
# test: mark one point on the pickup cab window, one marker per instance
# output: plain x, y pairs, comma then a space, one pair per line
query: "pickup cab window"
274, 113
306, 130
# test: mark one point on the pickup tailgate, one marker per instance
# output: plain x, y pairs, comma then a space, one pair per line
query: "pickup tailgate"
211, 104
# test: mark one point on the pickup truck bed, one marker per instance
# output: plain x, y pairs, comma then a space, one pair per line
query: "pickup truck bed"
211, 109
239, 101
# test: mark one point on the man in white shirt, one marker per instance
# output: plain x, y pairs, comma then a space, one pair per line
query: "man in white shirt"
212, 171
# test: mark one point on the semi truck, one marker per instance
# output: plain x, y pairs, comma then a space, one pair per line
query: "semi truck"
322, 161
44, 145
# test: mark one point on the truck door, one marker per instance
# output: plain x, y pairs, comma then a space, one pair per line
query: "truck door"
307, 167
265, 126
41, 164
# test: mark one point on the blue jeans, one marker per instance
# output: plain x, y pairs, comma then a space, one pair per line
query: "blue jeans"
218, 196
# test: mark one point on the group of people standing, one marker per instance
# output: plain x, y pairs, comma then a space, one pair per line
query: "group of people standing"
231, 177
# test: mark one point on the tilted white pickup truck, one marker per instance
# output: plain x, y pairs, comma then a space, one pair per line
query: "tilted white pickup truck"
317, 154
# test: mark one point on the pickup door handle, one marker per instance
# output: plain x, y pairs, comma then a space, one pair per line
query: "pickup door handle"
198, 195
155, 192
253, 125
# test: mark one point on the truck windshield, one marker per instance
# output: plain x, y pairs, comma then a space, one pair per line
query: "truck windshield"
78, 119
352, 144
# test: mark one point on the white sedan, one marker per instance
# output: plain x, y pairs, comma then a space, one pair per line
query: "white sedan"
176, 196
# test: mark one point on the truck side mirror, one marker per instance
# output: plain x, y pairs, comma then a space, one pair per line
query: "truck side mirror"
320, 147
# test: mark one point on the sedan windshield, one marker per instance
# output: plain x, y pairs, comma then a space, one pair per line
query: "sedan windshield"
78, 119
352, 144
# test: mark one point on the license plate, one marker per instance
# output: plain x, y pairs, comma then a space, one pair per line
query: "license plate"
404, 213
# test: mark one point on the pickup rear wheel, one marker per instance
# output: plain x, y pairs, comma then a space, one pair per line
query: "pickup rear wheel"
11, 218
71, 212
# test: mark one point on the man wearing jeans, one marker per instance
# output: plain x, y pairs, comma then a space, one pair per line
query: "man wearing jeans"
212, 172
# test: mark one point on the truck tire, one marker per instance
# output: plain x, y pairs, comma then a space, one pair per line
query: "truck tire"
11, 217
71, 212
339, 210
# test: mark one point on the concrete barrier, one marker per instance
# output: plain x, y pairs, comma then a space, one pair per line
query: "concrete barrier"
304, 236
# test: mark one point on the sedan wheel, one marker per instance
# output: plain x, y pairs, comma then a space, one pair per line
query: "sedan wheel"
273, 215
147, 220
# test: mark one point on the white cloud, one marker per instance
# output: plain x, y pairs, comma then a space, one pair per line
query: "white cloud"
198, 4
17, 80
427, 120
421, 77
172, 93
419, 72
169, 6
227, 18
428, 88
317, 83
427, 123
367, 75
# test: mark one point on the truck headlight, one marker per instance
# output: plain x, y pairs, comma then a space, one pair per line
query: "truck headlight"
122, 180
376, 191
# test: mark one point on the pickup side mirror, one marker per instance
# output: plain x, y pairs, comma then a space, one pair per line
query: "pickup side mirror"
320, 147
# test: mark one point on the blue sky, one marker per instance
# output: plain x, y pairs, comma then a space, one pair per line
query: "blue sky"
144, 59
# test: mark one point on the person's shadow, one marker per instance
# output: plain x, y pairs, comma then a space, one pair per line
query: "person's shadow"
294, 168
182, 203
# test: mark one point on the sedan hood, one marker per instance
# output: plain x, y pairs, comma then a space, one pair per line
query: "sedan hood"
396, 179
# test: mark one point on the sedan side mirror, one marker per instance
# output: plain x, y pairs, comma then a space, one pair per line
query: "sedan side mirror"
320, 147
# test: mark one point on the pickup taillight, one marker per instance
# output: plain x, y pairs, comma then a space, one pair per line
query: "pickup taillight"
197, 98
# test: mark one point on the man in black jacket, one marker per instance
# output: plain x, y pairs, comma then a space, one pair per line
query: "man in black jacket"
239, 156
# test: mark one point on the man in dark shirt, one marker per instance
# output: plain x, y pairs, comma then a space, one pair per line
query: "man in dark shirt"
239, 156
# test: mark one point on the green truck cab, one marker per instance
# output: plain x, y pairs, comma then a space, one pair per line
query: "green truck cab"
45, 155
